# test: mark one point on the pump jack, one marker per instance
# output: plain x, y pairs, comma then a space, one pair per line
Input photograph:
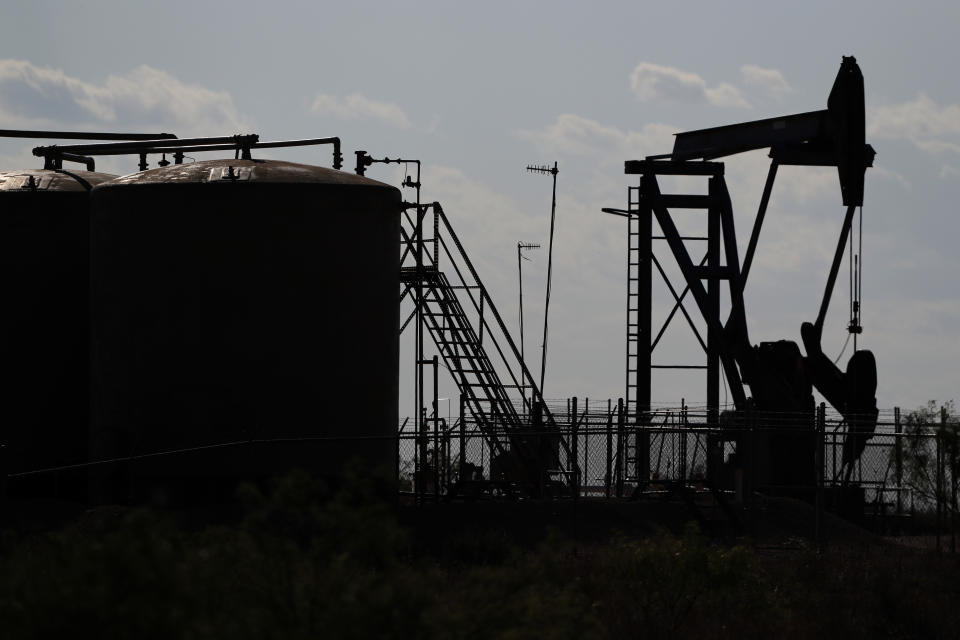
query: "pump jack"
779, 377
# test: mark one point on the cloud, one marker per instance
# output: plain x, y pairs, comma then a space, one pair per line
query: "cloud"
576, 135
949, 172
651, 81
928, 125
770, 80
938, 146
32, 96
895, 176
357, 106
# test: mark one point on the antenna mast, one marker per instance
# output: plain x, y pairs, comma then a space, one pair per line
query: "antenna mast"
546, 307
521, 246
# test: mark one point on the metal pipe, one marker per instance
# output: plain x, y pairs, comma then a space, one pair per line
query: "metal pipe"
85, 160
146, 145
335, 141
83, 135
200, 148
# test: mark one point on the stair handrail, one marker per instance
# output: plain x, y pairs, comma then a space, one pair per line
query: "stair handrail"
503, 328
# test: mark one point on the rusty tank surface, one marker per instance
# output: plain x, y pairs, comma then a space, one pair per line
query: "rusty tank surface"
44, 218
246, 310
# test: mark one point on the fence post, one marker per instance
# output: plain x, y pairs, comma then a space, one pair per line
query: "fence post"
585, 475
682, 467
3, 481
939, 479
620, 457
898, 457
753, 471
463, 438
818, 462
609, 474
575, 436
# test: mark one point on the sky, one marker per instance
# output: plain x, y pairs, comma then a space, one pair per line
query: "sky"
477, 91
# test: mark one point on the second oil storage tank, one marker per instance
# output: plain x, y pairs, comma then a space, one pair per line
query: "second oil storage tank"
44, 328
248, 306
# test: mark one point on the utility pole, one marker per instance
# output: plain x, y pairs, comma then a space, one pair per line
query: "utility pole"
523, 382
546, 307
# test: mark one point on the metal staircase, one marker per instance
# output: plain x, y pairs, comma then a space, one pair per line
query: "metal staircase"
483, 359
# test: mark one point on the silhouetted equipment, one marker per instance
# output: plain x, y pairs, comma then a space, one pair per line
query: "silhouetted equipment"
210, 304
43, 326
230, 303
779, 377
443, 304
242, 145
524, 446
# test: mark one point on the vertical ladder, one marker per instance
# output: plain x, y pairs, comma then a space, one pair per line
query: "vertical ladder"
634, 455
633, 300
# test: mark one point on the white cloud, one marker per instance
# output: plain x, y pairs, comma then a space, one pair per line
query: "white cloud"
948, 172
651, 81
770, 80
928, 125
889, 174
726, 95
578, 136
938, 146
357, 106
32, 96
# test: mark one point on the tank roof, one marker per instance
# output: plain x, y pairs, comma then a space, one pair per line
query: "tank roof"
238, 170
51, 180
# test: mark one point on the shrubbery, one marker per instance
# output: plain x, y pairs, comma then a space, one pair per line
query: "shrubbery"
308, 562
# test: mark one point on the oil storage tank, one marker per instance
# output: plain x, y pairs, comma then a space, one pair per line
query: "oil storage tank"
44, 327
245, 311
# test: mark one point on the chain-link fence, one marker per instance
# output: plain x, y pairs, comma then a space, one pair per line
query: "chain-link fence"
908, 464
